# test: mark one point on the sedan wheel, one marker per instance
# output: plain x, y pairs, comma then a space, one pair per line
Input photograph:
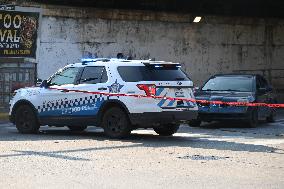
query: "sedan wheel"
271, 117
194, 123
253, 121
167, 129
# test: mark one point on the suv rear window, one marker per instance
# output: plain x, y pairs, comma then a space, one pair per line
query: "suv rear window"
144, 73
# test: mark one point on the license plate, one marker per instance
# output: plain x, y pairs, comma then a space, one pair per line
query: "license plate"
179, 93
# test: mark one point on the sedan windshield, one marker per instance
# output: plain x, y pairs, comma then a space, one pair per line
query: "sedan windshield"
229, 83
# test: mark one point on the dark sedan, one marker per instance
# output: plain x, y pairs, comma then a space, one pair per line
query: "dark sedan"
235, 88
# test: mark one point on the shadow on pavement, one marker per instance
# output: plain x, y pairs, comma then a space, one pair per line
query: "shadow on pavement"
59, 154
262, 131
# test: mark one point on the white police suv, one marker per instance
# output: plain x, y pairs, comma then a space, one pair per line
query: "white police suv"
115, 94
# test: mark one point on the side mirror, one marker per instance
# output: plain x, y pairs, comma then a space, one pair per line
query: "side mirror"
44, 84
38, 82
195, 89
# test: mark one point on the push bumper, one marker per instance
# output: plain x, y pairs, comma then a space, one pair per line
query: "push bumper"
152, 118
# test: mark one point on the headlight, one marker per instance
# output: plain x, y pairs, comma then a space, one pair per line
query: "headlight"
243, 100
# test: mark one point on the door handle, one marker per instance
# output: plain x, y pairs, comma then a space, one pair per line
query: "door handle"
102, 89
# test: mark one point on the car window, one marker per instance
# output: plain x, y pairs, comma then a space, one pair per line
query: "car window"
264, 82
66, 76
231, 83
94, 74
261, 83
144, 73
258, 83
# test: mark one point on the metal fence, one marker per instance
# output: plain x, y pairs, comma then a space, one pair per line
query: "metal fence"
14, 76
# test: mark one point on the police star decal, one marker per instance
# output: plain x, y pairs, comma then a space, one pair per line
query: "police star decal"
115, 87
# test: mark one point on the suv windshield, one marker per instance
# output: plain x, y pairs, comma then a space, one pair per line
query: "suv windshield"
144, 73
65, 76
230, 83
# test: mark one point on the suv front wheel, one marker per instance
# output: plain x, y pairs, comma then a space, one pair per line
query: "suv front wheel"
26, 120
167, 129
116, 123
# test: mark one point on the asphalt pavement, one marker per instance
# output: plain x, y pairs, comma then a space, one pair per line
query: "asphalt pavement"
212, 156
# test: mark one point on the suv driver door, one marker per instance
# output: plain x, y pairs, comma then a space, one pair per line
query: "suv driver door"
55, 100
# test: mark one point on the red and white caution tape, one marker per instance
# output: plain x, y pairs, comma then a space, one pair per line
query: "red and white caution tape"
202, 102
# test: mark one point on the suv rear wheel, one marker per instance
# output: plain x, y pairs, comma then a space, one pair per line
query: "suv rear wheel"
167, 129
116, 123
26, 120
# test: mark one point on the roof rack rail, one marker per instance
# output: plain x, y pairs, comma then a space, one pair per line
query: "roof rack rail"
87, 60
161, 64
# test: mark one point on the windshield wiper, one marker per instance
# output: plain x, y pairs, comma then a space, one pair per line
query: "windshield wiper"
232, 90
208, 90
222, 90
179, 78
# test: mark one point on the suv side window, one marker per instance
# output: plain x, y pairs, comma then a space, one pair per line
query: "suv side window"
66, 76
94, 74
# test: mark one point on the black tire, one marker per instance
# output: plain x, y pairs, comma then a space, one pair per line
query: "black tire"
26, 120
116, 123
271, 117
253, 120
77, 128
194, 123
167, 129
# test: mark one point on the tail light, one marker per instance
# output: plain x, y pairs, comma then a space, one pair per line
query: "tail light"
150, 89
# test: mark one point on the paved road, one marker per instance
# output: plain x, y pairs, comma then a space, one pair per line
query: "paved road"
214, 156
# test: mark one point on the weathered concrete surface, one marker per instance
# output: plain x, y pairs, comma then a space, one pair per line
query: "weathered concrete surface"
216, 45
